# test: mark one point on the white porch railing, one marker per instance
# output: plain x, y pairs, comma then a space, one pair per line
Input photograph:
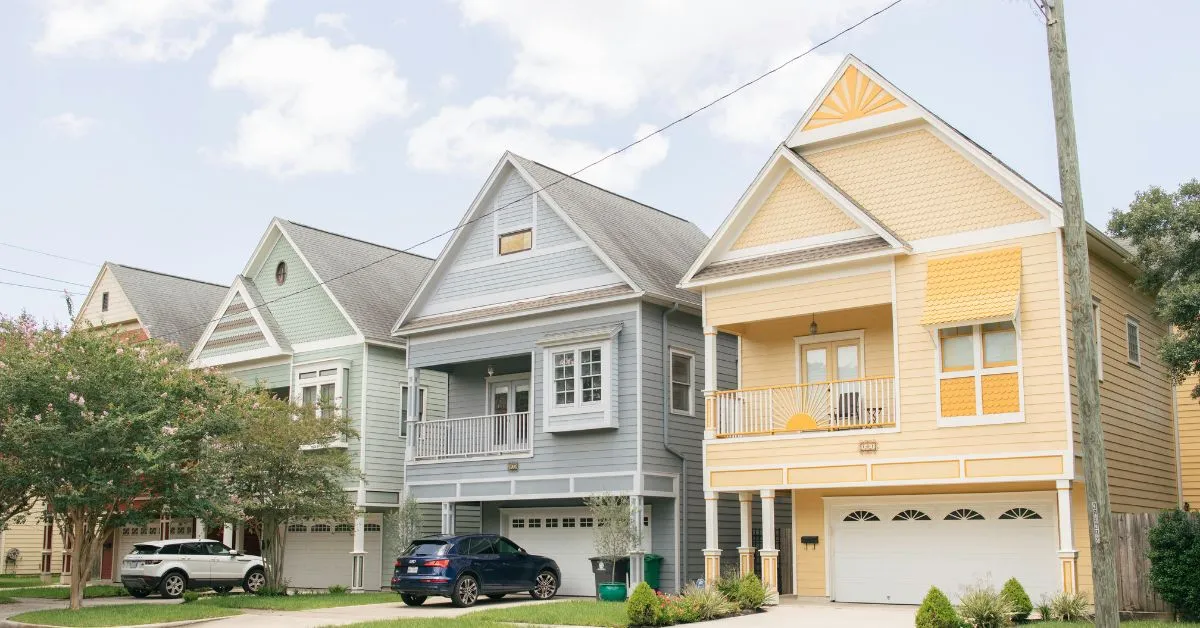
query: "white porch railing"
490, 435
846, 404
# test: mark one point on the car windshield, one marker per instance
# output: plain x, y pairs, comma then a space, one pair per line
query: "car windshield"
427, 548
144, 549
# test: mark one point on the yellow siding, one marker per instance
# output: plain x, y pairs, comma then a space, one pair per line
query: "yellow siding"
1080, 533
915, 471
1001, 394
719, 479
800, 299
27, 537
1044, 428
1135, 402
973, 287
1189, 441
920, 187
1005, 467
769, 347
793, 210
853, 96
119, 308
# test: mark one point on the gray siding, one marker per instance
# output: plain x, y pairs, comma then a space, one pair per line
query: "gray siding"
303, 316
277, 376
386, 374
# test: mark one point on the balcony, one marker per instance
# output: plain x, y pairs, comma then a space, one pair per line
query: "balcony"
472, 437
850, 404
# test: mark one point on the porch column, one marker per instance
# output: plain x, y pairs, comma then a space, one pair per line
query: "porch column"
1067, 554
411, 413
227, 535
768, 553
637, 555
447, 517
746, 549
358, 556
710, 382
712, 545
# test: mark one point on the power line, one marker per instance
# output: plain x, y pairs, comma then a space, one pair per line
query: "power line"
73, 283
55, 255
59, 290
606, 157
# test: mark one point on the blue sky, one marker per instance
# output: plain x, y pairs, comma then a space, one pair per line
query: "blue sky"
167, 134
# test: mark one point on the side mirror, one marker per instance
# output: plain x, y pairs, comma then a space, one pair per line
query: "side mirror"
234, 552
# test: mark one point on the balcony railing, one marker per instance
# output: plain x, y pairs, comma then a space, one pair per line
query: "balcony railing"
471, 437
824, 406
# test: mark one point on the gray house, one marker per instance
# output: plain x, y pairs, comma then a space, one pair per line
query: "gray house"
574, 367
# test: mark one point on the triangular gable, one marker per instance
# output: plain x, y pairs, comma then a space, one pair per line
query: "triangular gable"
120, 308
852, 89
790, 207
243, 329
480, 212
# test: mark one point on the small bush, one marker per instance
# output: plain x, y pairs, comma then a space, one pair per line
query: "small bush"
1043, 609
695, 604
190, 596
268, 591
1175, 560
728, 584
1019, 599
750, 593
985, 608
337, 589
643, 607
936, 611
1069, 607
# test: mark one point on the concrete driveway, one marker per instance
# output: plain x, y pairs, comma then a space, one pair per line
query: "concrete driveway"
791, 613
437, 607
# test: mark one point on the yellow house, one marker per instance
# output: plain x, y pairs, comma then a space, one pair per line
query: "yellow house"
1188, 411
905, 362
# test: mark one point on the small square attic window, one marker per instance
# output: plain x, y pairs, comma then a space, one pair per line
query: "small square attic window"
516, 241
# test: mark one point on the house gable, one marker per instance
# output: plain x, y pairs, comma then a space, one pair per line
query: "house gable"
303, 308
120, 308
241, 330
854, 95
793, 210
472, 274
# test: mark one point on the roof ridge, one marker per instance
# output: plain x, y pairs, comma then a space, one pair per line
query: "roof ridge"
346, 237
608, 191
162, 274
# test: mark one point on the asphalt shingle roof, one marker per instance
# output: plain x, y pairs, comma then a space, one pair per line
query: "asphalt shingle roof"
173, 309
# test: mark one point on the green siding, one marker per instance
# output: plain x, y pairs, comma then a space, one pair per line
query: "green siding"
276, 376
351, 394
303, 316
240, 324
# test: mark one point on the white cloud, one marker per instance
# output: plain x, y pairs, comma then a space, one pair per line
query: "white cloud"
447, 82
312, 100
70, 125
472, 138
335, 21
139, 30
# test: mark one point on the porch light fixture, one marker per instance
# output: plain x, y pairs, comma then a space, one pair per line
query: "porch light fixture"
491, 370
812, 327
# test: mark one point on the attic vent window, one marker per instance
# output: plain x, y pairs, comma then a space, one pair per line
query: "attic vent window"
516, 241
281, 273
104, 302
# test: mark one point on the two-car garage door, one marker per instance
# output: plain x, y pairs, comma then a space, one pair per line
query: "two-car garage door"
892, 550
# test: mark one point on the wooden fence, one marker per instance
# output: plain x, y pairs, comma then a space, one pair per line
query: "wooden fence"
1132, 546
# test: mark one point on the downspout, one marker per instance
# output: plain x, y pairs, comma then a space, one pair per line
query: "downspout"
666, 426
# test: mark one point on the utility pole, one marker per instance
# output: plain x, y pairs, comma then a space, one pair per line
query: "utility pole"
1095, 475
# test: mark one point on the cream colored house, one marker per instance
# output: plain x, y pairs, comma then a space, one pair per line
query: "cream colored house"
905, 362
28, 548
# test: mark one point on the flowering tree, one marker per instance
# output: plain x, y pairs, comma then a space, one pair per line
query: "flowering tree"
107, 432
283, 464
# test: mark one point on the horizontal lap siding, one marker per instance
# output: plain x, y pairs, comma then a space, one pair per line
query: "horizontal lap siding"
769, 347
386, 373
1189, 440
119, 308
1135, 402
564, 453
26, 537
351, 393
303, 310
275, 376
1044, 428
799, 299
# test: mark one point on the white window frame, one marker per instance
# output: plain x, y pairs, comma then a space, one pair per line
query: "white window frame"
339, 381
691, 382
578, 406
422, 400
978, 372
530, 224
514, 379
1099, 328
602, 338
1131, 320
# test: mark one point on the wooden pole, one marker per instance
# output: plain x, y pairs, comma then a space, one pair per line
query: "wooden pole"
1095, 476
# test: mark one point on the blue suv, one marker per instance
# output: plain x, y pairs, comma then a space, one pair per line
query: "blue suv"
464, 567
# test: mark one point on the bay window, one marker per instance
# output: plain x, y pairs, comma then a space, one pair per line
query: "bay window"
322, 384
579, 379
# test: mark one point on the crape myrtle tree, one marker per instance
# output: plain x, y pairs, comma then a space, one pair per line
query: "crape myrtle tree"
1164, 227
108, 431
285, 463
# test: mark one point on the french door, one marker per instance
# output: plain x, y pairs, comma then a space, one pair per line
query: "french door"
508, 402
831, 372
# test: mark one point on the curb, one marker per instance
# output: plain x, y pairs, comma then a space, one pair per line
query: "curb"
8, 623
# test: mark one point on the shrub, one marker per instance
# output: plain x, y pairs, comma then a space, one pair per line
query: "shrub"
337, 589
696, 604
985, 608
1069, 607
269, 591
1019, 599
750, 593
643, 607
936, 611
728, 584
190, 596
1175, 560
1043, 609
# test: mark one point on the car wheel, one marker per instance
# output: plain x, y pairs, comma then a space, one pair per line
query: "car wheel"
413, 600
254, 580
466, 591
173, 585
222, 590
139, 593
496, 596
545, 586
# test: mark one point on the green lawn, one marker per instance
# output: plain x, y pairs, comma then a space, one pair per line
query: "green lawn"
9, 582
124, 614
299, 602
1134, 624
572, 613
7, 600
64, 593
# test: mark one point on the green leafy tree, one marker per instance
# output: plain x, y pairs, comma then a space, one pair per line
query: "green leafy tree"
616, 533
1021, 604
283, 465
107, 432
1175, 560
1164, 228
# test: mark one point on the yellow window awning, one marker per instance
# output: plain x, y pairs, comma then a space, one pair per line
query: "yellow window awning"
974, 287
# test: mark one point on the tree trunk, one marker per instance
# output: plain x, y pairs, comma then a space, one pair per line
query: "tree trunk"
274, 541
78, 579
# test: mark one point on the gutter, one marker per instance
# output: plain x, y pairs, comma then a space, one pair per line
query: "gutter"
666, 426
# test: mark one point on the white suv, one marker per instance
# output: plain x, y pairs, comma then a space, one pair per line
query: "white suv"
171, 567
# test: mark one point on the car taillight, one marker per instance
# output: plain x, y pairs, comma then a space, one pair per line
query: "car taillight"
398, 565
437, 563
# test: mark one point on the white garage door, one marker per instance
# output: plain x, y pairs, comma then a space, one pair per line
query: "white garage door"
318, 554
564, 534
893, 550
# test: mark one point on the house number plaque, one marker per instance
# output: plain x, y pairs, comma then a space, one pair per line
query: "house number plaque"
867, 446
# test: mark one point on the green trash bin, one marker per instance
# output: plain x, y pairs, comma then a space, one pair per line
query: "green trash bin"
653, 565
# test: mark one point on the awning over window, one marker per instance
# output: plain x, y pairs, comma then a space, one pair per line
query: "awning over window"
975, 287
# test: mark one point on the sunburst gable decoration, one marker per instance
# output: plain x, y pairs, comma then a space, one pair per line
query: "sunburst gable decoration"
854, 96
